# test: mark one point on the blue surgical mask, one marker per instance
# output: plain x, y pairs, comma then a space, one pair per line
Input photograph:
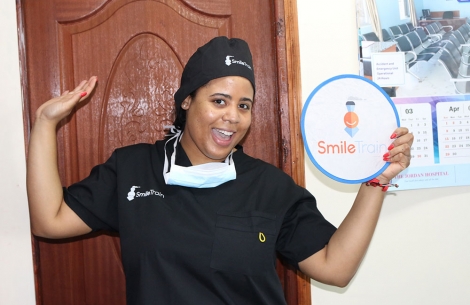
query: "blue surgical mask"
199, 176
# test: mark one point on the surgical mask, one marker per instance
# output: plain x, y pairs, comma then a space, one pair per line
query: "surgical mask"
199, 176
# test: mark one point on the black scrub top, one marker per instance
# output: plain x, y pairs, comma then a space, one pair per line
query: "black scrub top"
185, 245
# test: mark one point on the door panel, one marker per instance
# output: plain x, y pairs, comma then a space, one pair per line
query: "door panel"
138, 50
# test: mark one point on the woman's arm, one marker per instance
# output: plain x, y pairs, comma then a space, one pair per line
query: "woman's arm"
50, 215
337, 263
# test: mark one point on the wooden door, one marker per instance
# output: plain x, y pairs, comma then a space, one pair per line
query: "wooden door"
138, 50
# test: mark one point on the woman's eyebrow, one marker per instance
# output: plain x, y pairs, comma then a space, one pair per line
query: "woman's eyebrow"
228, 96
223, 94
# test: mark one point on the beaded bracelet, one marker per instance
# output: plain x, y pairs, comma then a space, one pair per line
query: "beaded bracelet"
375, 182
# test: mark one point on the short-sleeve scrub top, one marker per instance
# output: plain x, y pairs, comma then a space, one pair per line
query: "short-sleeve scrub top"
183, 245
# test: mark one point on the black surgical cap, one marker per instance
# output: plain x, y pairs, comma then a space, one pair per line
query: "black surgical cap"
219, 57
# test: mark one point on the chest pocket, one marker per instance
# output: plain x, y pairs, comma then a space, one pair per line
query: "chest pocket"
244, 242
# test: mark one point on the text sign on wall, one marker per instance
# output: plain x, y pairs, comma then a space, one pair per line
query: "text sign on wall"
388, 68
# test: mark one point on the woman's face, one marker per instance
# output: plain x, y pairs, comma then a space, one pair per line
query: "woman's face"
217, 119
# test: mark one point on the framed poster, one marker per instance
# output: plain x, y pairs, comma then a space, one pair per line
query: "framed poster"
434, 108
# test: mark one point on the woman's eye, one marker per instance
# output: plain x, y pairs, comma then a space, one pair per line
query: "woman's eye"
245, 106
219, 102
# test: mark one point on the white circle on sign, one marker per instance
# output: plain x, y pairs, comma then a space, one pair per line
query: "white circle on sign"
346, 126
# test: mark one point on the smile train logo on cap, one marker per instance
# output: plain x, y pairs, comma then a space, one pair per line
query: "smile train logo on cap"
229, 60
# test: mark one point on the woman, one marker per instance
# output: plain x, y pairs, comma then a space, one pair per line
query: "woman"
200, 222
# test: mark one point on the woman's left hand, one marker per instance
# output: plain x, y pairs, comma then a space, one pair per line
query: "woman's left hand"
399, 154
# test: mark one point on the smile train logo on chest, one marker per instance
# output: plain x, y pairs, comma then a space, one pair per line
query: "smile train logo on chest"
133, 194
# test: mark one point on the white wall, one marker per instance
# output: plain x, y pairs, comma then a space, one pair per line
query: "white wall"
16, 268
421, 248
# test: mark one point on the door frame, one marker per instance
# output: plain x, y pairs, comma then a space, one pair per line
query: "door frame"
290, 106
297, 289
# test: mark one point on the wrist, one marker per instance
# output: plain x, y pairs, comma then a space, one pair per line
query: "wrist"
43, 122
382, 179
377, 182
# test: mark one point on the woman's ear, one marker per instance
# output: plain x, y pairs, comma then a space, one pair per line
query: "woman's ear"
185, 104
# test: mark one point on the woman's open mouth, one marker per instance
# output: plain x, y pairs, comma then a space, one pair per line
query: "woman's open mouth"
223, 134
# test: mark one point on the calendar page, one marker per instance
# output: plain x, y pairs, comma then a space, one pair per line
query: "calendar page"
441, 149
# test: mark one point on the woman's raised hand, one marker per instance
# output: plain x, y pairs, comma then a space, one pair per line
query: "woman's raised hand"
54, 110
50, 215
399, 154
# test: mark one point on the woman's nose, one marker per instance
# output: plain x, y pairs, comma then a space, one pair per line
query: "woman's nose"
231, 114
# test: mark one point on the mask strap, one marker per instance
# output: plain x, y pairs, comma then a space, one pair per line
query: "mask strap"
229, 159
176, 134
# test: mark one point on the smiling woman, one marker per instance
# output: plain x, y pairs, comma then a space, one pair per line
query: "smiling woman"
158, 36
182, 214
218, 118
194, 209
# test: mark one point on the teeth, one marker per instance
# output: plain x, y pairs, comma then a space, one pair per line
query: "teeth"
227, 133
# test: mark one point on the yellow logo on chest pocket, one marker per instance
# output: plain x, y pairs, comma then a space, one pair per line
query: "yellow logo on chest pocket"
261, 237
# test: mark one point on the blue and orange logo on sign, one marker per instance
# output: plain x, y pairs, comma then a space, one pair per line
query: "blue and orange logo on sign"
351, 119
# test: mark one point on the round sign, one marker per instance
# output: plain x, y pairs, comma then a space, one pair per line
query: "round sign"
346, 126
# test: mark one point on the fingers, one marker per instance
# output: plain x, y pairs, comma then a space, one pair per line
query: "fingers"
400, 131
400, 149
85, 86
88, 86
80, 92
80, 86
398, 154
59, 107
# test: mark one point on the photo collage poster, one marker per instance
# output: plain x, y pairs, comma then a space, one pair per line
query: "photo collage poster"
432, 106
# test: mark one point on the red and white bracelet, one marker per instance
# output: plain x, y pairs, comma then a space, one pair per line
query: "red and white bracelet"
375, 182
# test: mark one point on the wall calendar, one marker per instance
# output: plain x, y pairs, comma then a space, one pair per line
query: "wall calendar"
441, 149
